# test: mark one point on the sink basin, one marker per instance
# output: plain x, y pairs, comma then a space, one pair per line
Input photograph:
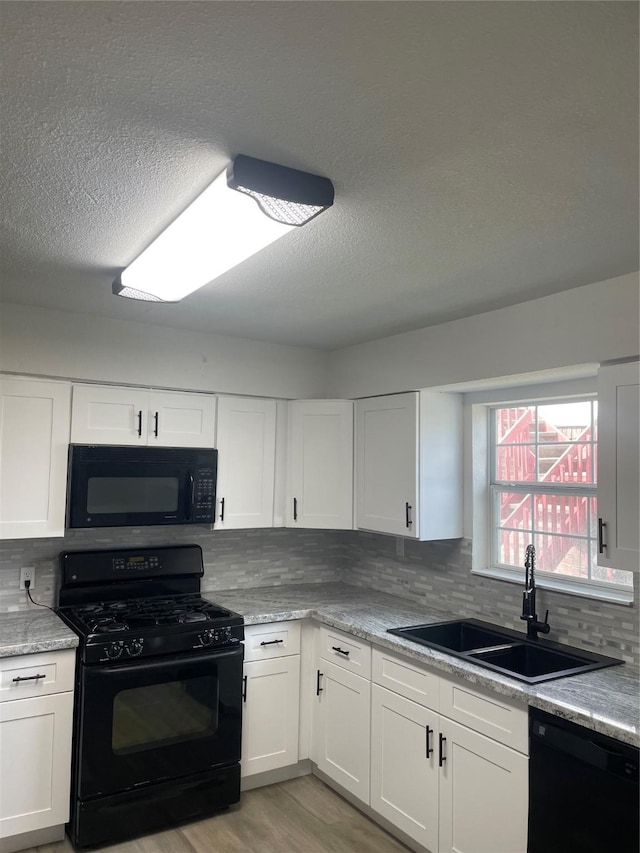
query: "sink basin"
504, 650
533, 662
461, 636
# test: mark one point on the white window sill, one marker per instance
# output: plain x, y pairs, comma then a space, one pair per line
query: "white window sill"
584, 589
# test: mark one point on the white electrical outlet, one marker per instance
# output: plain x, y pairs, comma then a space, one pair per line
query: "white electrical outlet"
27, 573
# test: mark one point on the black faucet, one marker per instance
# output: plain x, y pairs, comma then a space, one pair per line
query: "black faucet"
529, 598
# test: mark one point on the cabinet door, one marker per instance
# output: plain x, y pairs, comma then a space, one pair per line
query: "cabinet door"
483, 794
104, 415
404, 765
246, 462
181, 420
321, 464
387, 464
35, 763
34, 440
618, 468
341, 727
270, 714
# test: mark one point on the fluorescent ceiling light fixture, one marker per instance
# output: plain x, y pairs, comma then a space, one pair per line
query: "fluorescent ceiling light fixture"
250, 205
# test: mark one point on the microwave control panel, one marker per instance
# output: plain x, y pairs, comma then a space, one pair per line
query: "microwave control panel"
204, 490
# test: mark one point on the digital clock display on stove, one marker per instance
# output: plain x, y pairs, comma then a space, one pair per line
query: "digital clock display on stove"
137, 563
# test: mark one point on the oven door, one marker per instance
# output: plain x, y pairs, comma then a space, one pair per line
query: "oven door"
147, 721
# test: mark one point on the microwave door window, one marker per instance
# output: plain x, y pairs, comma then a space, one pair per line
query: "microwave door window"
118, 495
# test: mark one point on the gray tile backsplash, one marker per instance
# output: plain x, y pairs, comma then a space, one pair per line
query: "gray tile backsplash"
435, 572
232, 558
440, 573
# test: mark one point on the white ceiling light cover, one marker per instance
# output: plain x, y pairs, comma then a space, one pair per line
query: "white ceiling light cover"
247, 207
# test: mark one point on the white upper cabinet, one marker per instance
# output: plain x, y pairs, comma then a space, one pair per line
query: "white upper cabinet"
246, 462
387, 464
320, 483
34, 441
181, 419
105, 415
109, 415
409, 465
618, 468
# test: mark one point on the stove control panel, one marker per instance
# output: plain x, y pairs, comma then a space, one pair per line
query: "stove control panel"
123, 649
114, 650
216, 636
105, 651
134, 647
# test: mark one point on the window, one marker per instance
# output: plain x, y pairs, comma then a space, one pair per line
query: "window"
543, 465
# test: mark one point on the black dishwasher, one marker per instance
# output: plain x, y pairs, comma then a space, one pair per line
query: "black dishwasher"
583, 790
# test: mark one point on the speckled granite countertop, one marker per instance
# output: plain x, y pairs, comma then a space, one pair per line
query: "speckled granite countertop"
26, 632
606, 700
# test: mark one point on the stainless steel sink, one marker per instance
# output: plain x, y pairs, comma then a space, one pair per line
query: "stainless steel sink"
503, 650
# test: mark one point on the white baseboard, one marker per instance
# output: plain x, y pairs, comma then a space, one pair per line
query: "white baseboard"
25, 840
271, 777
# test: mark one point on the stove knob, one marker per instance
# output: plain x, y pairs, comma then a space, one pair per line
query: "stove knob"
207, 637
135, 648
113, 650
225, 633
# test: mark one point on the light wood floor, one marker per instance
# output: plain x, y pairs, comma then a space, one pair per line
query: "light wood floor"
299, 816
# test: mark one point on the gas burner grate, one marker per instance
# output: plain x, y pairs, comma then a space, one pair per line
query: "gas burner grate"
113, 616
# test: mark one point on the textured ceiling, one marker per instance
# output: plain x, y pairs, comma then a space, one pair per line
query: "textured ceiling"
482, 154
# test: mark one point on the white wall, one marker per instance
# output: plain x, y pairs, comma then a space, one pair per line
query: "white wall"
598, 322
595, 323
48, 342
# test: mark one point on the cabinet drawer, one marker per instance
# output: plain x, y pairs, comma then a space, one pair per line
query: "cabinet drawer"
483, 711
345, 650
274, 640
410, 680
18, 675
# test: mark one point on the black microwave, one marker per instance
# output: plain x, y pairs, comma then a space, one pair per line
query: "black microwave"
133, 486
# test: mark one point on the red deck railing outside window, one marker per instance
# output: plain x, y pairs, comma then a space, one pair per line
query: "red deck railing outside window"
563, 456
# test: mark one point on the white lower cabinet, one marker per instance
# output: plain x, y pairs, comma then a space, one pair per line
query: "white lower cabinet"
483, 794
271, 694
35, 746
404, 765
341, 724
270, 714
448, 787
440, 759
341, 727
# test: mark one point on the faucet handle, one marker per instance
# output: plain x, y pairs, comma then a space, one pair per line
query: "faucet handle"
545, 627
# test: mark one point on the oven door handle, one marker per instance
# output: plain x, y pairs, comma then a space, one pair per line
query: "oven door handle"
141, 666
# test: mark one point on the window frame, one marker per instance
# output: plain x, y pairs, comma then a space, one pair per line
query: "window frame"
481, 444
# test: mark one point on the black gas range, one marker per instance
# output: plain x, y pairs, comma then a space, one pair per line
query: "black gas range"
147, 627
158, 716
